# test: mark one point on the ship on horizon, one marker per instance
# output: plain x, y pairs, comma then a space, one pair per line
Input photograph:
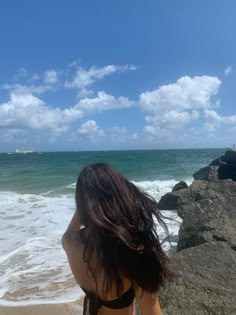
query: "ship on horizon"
24, 150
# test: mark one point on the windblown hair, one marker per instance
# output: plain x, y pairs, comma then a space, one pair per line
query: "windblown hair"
121, 230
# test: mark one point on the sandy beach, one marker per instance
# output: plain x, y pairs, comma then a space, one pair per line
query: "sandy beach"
71, 308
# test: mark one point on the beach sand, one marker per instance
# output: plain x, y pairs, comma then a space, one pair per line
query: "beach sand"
71, 308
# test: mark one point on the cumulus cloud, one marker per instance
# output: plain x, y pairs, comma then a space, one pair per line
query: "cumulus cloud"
27, 111
28, 89
84, 78
186, 93
50, 77
227, 71
84, 93
170, 110
90, 130
103, 102
171, 107
214, 120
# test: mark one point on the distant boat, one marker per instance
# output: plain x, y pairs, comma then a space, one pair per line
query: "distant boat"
24, 150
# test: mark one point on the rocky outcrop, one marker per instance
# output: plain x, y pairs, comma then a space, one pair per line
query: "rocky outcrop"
208, 213
207, 173
170, 200
205, 282
205, 264
223, 167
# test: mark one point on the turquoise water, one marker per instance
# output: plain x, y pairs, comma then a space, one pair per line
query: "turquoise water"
56, 172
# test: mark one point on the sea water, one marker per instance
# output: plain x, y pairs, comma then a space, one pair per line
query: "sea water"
37, 203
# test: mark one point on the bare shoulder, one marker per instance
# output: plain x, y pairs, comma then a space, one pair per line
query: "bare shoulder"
68, 238
71, 243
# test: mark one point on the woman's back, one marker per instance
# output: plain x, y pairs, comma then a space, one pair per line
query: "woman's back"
117, 255
74, 249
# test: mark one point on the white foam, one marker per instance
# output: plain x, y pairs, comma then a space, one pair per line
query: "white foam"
72, 186
158, 188
33, 265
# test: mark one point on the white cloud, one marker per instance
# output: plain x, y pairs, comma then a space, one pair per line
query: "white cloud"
50, 77
174, 119
173, 106
227, 71
90, 130
84, 78
25, 111
28, 89
186, 93
84, 93
214, 120
154, 131
102, 102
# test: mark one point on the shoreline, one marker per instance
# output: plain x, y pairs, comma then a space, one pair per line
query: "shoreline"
70, 308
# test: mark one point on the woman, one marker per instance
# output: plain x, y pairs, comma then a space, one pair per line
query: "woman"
112, 246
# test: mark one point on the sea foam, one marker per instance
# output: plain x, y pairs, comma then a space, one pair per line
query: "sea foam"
33, 265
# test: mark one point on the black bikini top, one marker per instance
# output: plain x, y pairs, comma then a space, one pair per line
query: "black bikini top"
95, 303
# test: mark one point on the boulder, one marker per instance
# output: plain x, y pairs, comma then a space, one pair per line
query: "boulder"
230, 157
223, 167
208, 213
218, 161
170, 200
205, 282
180, 185
207, 173
227, 172
205, 264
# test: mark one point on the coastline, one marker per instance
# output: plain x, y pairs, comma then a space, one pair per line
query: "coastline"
70, 308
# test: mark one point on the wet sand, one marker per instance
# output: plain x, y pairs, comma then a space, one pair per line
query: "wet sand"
71, 308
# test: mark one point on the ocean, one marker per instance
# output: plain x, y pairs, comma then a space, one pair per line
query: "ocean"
37, 203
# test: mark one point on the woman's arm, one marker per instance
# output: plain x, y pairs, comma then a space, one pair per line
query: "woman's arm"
71, 230
147, 302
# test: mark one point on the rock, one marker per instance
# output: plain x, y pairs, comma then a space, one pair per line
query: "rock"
218, 161
230, 157
223, 167
180, 185
207, 173
208, 213
227, 172
205, 264
170, 200
205, 282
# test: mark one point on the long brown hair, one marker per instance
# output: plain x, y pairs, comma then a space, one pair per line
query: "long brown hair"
120, 228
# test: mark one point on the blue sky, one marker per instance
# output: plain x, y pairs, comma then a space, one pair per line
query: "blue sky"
127, 74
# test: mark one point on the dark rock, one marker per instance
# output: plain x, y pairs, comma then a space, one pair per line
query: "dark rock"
223, 167
208, 213
205, 282
207, 173
230, 157
227, 172
170, 200
180, 185
218, 161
